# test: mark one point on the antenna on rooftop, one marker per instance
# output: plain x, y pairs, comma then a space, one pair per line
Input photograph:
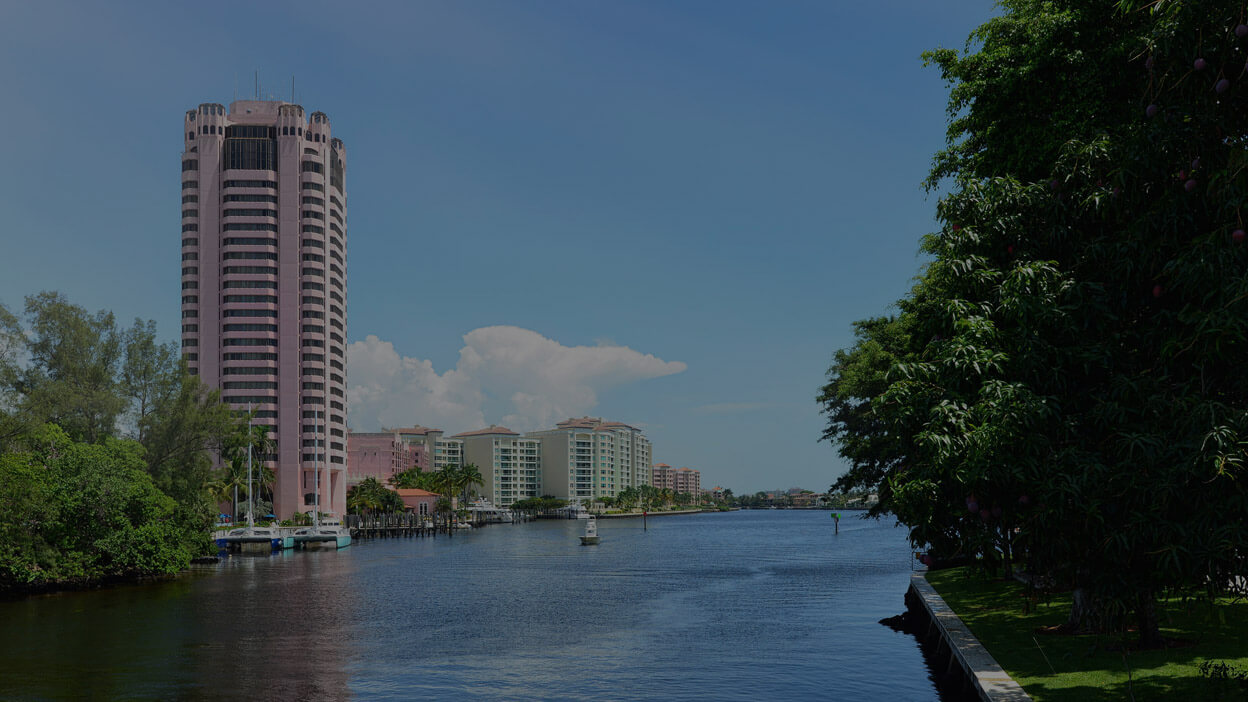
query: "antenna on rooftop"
292, 88
257, 84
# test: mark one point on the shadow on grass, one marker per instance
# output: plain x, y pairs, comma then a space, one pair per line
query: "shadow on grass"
1091, 667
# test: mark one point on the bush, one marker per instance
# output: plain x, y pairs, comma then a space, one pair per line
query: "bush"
73, 513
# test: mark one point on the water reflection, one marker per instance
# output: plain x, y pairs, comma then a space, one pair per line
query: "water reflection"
717, 606
265, 628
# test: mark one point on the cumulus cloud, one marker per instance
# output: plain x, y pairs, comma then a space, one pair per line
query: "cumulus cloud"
506, 375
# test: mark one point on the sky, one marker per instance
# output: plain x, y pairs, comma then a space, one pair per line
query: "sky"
661, 213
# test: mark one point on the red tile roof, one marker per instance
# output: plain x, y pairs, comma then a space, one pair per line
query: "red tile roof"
488, 431
612, 425
414, 430
415, 492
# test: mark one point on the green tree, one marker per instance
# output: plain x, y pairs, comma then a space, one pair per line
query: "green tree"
850, 401
467, 477
1068, 380
13, 421
73, 513
414, 478
71, 377
369, 496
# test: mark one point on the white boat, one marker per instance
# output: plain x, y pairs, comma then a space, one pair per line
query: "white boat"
582, 513
255, 539
590, 537
483, 510
252, 538
332, 535
328, 535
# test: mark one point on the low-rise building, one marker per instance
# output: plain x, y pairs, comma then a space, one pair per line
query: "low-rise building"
418, 501
380, 455
443, 451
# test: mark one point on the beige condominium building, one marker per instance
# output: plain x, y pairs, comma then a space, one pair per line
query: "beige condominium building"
678, 479
510, 464
586, 458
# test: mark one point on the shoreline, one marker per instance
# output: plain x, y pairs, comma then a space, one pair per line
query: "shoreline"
630, 515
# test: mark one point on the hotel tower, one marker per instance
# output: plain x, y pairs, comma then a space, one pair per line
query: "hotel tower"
264, 283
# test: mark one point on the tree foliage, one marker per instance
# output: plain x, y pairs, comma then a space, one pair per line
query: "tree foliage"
106, 449
75, 513
371, 497
1063, 384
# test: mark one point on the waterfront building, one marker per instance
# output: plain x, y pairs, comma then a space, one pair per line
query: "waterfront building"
445, 451
661, 476
587, 458
264, 287
419, 501
380, 455
510, 464
678, 480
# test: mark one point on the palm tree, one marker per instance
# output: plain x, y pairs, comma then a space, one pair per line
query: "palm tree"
469, 476
247, 440
444, 507
224, 485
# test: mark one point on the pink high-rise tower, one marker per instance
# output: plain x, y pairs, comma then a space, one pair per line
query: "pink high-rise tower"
264, 283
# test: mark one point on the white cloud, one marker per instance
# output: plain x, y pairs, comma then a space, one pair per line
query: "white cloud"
506, 375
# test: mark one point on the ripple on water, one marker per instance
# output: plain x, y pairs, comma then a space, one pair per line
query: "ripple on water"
696, 607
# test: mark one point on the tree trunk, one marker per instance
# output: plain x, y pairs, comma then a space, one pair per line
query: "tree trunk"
1146, 620
1082, 612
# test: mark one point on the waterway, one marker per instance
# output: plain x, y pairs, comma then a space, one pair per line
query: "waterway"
743, 605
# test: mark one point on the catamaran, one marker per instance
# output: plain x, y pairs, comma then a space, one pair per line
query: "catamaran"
331, 533
252, 538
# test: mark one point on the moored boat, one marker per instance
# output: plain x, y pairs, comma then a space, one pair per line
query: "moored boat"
331, 534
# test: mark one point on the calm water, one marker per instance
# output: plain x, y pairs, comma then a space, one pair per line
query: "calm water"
742, 605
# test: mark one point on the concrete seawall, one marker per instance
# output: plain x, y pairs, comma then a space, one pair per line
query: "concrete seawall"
979, 668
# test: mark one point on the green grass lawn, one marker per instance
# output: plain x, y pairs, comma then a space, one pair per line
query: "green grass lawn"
1052, 667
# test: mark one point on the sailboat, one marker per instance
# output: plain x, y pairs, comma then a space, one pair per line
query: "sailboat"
331, 534
252, 538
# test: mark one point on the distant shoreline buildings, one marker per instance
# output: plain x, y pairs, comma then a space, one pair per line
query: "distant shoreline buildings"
580, 459
264, 283
678, 480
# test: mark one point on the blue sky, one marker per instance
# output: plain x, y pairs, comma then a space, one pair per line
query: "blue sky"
663, 213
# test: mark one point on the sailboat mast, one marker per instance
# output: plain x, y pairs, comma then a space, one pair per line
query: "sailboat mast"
251, 519
316, 467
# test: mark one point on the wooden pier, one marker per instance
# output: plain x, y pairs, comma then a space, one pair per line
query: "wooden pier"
401, 525
385, 526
